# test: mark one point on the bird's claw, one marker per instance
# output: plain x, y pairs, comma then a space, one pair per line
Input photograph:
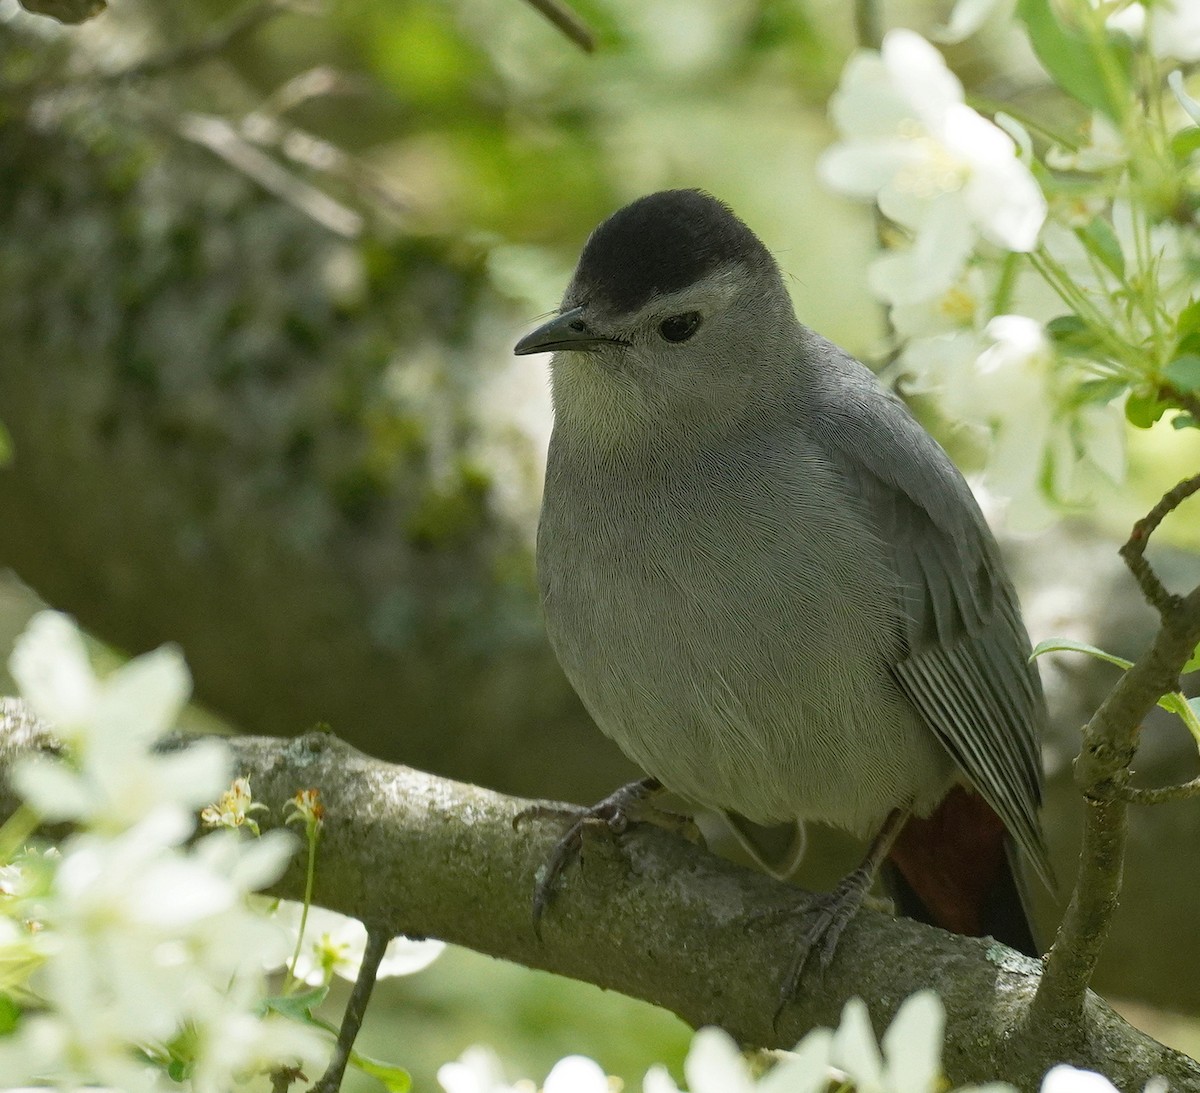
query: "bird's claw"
615, 813
823, 919
818, 941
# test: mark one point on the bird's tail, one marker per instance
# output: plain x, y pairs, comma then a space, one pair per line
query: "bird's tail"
956, 869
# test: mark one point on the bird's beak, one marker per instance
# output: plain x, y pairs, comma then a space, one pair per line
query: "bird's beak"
563, 333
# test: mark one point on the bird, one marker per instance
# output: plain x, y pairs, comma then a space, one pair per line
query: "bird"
771, 586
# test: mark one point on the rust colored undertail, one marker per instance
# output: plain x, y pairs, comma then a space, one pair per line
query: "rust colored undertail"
953, 869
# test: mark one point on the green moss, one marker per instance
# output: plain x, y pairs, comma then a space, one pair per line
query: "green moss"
398, 438
358, 491
451, 512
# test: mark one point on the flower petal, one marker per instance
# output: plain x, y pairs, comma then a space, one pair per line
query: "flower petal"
804, 1069
51, 668
854, 1048
576, 1074
405, 955
715, 1065
967, 17
913, 1044
658, 1080
142, 699
920, 75
50, 787
1067, 1079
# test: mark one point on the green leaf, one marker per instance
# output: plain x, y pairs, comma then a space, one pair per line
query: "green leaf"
1102, 241
1174, 702
1183, 373
1144, 410
1184, 421
395, 1078
6, 448
1072, 62
1101, 391
1185, 143
1189, 318
1071, 334
298, 1007
1187, 712
1070, 645
10, 1014
1062, 327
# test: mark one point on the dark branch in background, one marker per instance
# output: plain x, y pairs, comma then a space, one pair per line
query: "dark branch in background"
223, 139
216, 41
71, 12
567, 21
868, 26
651, 915
1102, 771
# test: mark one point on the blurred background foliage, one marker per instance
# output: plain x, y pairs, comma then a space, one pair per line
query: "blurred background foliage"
261, 269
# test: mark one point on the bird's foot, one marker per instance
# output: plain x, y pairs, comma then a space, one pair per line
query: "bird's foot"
628, 804
821, 919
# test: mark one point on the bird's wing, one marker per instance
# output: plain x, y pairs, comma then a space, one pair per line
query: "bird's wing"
966, 666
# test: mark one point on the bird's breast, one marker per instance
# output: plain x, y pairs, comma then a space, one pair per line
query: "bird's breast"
734, 633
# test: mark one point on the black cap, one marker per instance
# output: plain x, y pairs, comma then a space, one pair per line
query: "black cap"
660, 244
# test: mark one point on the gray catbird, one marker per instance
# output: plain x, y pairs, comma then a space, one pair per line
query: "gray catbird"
770, 586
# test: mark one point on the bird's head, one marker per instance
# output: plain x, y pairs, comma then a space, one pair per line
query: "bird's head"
675, 318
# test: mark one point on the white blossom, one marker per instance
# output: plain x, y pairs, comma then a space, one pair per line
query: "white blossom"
130, 940
477, 1070
1067, 1079
1008, 385
1105, 149
1171, 27
933, 164
960, 306
967, 16
1158, 249
1174, 29
334, 944
910, 1061
576, 1074
110, 777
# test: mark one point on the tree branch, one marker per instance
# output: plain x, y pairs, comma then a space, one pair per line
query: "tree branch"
1102, 773
652, 916
567, 21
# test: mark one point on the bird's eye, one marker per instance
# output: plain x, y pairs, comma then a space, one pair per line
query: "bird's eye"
678, 328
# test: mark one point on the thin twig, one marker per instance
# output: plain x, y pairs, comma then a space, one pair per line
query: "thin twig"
352, 1019
1135, 548
868, 27
568, 22
285, 1077
1102, 773
1161, 794
222, 138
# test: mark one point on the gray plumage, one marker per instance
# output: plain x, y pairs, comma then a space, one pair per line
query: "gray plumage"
768, 584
